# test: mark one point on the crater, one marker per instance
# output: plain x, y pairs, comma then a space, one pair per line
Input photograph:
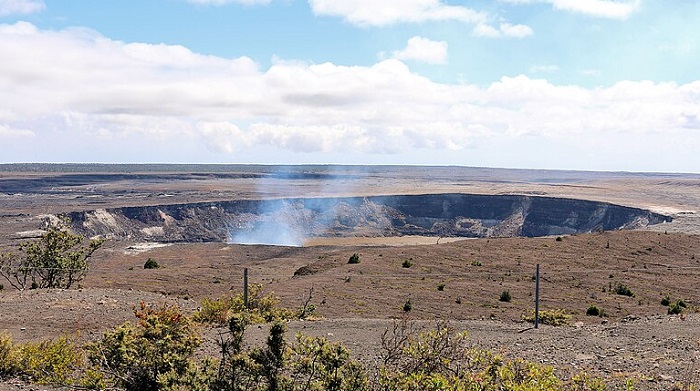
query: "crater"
291, 221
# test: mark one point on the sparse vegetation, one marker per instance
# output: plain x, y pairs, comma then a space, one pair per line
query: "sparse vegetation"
666, 301
442, 359
406, 264
677, 307
476, 263
555, 317
151, 264
153, 354
157, 353
622, 290
407, 305
260, 309
593, 311
354, 258
45, 362
505, 297
441, 286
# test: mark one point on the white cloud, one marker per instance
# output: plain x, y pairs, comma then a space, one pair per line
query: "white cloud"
224, 2
387, 12
423, 50
601, 8
8, 132
613, 9
167, 99
21, 7
504, 30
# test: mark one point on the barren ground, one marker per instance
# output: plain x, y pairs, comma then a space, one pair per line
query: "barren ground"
357, 302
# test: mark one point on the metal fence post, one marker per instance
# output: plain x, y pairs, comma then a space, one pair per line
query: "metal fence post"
245, 288
537, 296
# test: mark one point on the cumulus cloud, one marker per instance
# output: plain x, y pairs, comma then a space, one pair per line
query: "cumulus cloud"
614, 9
504, 30
387, 12
20, 7
102, 91
423, 50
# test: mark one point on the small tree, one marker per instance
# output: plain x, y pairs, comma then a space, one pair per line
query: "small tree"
56, 260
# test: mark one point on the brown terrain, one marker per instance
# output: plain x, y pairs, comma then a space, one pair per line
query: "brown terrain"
357, 302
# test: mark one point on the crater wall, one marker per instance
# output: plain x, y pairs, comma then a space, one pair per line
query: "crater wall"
290, 221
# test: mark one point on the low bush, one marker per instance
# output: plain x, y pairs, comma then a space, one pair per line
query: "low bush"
45, 362
593, 311
7, 366
157, 353
406, 264
260, 309
677, 307
557, 317
442, 359
666, 301
505, 297
407, 305
354, 259
153, 354
151, 264
441, 286
623, 290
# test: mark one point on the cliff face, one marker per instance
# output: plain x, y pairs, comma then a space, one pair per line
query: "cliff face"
289, 221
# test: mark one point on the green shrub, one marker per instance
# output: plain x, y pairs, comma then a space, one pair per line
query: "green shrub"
260, 309
557, 317
476, 263
319, 364
354, 258
593, 311
7, 366
153, 354
623, 290
151, 264
677, 307
2, 287
441, 286
407, 305
442, 360
666, 301
45, 362
48, 362
406, 264
505, 297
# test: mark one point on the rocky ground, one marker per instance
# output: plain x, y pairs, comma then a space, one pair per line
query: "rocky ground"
357, 303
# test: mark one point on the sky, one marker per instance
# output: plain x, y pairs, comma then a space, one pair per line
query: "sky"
546, 84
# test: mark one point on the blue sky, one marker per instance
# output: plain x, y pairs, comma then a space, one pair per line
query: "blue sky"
557, 84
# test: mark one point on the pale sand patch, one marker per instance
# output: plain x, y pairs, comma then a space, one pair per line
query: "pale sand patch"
138, 248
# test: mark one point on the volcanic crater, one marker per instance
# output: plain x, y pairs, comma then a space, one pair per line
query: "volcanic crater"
291, 221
